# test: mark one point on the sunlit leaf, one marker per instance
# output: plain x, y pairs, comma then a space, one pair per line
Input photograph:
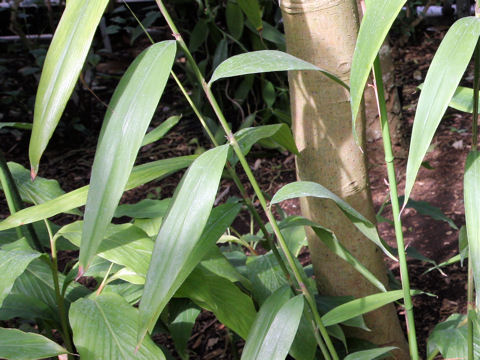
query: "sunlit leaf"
361, 306
444, 74
471, 195
377, 20
19, 345
130, 111
264, 61
63, 63
140, 175
105, 327
369, 354
181, 229
308, 188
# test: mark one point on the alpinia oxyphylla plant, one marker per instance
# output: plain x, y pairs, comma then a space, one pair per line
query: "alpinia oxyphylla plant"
167, 258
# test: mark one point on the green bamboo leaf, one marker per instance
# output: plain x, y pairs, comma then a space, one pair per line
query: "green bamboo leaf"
472, 212
181, 230
185, 314
444, 74
251, 8
369, 354
160, 131
218, 295
12, 265
264, 61
331, 241
235, 20
451, 339
308, 188
131, 109
17, 125
280, 133
140, 175
105, 327
275, 327
19, 345
361, 306
462, 99
144, 209
376, 23
62, 66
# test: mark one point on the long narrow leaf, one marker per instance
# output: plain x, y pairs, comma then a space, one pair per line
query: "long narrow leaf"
105, 327
131, 110
161, 130
361, 306
140, 175
308, 188
376, 23
472, 213
442, 79
181, 230
264, 61
19, 345
369, 354
63, 63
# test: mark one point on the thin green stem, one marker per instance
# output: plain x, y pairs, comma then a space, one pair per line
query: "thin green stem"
389, 158
15, 203
67, 338
236, 148
470, 310
433, 355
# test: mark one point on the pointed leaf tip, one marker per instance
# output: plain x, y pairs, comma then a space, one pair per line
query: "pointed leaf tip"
33, 172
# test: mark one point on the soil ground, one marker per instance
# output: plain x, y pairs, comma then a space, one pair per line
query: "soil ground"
69, 157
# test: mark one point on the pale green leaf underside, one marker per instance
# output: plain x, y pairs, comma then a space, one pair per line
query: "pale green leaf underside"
130, 111
472, 212
376, 23
308, 188
105, 327
62, 66
19, 345
180, 231
264, 61
140, 175
444, 74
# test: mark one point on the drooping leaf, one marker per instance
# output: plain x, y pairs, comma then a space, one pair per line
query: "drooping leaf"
450, 338
471, 190
251, 8
13, 264
181, 326
376, 23
361, 306
425, 208
370, 354
308, 188
444, 74
275, 327
160, 131
264, 61
19, 345
131, 109
332, 243
220, 296
63, 63
181, 229
140, 175
105, 327
17, 125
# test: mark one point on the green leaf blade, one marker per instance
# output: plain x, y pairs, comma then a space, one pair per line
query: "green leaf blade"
444, 74
472, 212
105, 327
377, 20
19, 345
264, 61
131, 109
181, 230
63, 63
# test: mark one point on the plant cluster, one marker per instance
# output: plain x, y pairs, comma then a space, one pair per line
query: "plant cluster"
166, 259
